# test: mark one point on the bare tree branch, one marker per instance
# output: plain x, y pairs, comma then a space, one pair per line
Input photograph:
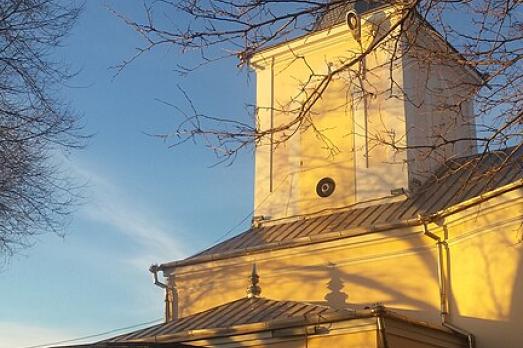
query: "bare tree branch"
35, 196
483, 36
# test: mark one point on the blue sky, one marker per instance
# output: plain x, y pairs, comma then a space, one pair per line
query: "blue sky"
145, 203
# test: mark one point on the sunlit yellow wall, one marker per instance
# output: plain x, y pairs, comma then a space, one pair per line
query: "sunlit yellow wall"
397, 268
255, 340
323, 144
357, 141
440, 106
380, 119
365, 339
302, 160
354, 333
486, 261
358, 333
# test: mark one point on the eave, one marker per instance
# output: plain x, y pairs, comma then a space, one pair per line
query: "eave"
305, 325
349, 233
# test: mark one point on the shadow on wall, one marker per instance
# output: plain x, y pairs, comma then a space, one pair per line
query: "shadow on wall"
495, 317
377, 283
336, 297
403, 278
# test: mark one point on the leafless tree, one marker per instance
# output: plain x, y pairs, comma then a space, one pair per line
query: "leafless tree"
35, 124
485, 36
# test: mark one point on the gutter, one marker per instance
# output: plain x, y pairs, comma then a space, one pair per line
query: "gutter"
477, 200
171, 295
349, 233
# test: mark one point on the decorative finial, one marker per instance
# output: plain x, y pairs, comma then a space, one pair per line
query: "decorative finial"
254, 289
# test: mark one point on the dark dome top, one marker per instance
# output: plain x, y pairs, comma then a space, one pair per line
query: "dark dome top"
335, 13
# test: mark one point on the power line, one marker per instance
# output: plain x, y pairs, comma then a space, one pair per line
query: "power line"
251, 212
94, 335
233, 228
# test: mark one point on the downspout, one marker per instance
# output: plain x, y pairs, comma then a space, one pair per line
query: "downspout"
443, 286
271, 154
171, 295
378, 310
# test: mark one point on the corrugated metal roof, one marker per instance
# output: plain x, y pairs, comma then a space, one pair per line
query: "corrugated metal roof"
457, 181
239, 312
262, 314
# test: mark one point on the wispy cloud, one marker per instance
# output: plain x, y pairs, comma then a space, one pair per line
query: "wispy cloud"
126, 215
110, 204
18, 335
23, 335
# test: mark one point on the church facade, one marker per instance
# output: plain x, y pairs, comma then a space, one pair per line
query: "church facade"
361, 237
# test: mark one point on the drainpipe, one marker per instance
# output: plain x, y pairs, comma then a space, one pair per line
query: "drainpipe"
171, 294
443, 249
379, 310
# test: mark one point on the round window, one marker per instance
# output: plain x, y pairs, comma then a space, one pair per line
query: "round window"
325, 187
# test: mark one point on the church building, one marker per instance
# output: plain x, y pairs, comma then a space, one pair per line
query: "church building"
370, 229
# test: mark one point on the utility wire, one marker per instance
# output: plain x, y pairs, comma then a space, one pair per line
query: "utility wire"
94, 335
230, 230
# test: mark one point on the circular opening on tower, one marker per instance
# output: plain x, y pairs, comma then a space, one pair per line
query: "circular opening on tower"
352, 21
325, 187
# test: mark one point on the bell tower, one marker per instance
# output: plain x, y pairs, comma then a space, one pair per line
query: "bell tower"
354, 112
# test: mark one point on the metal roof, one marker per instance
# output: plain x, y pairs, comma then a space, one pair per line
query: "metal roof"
239, 312
335, 13
249, 315
457, 181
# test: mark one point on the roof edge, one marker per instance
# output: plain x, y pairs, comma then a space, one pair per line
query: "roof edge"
194, 335
327, 237
254, 57
353, 232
